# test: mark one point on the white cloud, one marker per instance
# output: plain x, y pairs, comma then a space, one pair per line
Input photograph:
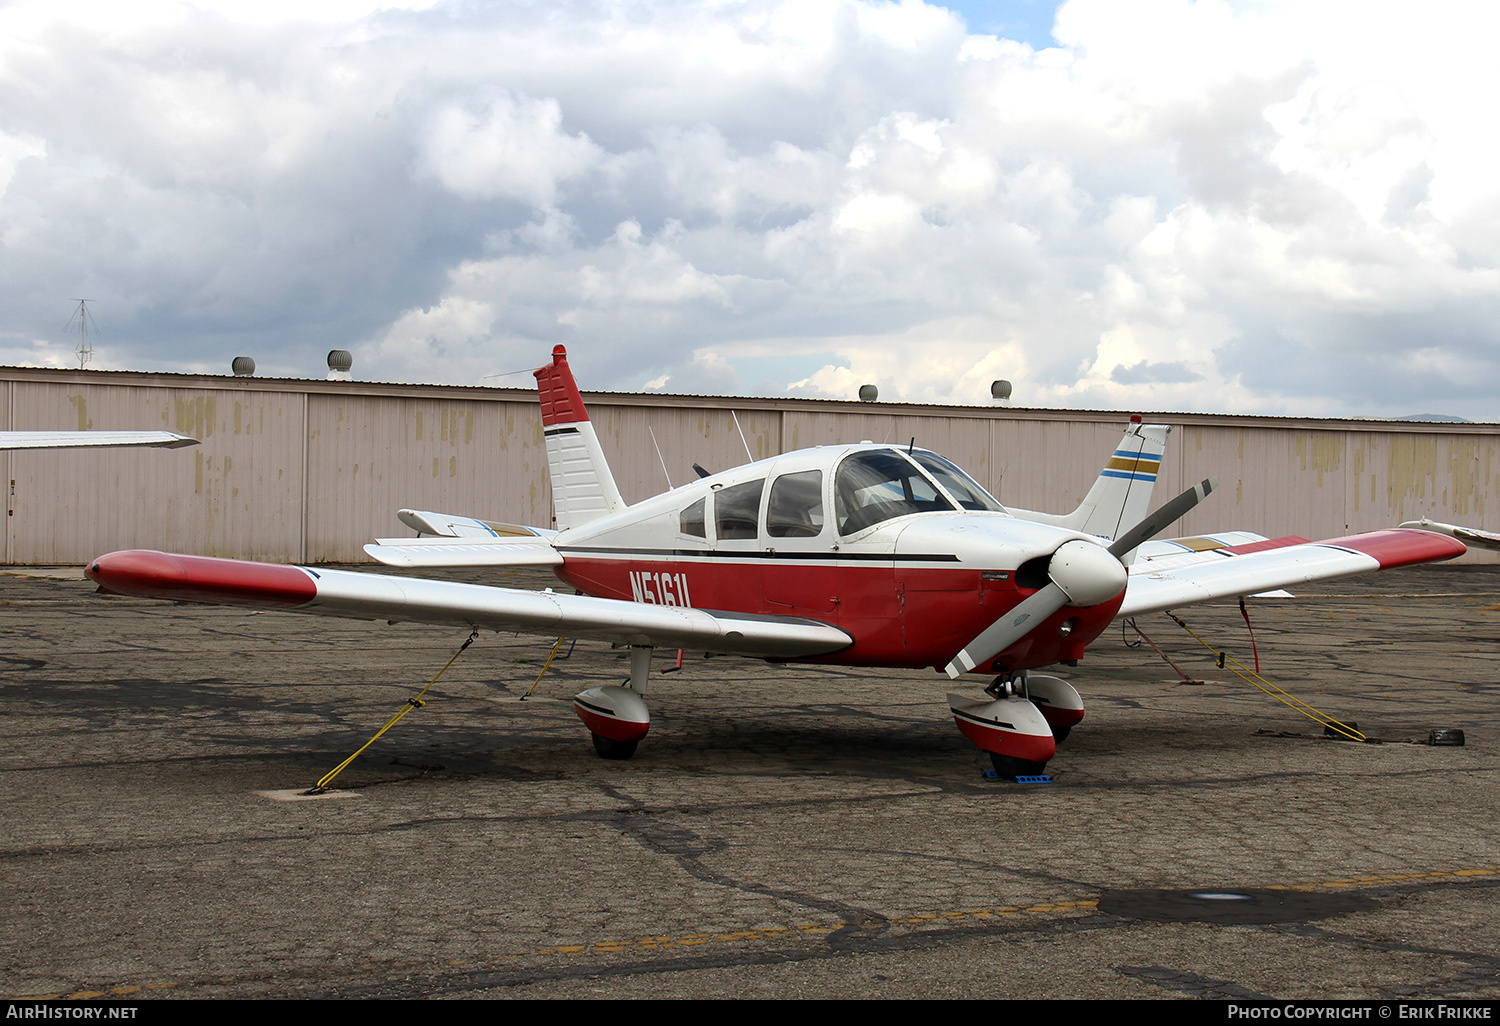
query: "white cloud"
510, 147
1268, 206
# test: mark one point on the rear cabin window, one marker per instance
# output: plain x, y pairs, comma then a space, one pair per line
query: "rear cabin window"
691, 520
879, 485
795, 509
737, 509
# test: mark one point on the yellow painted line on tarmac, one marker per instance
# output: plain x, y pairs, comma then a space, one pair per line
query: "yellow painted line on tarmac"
1366, 881
88, 995
660, 942
1005, 910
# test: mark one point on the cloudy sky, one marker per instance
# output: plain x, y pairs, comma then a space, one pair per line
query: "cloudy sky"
1247, 206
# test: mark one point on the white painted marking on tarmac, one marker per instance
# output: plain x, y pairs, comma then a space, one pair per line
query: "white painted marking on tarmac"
301, 795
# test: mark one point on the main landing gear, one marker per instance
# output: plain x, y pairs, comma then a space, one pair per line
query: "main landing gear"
1022, 724
617, 716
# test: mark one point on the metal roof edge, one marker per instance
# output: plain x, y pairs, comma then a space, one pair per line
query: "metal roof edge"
319, 386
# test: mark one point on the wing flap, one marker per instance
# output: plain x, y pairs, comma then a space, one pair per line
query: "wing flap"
1228, 574
361, 596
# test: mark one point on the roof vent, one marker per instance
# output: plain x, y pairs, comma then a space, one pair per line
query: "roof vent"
339, 362
242, 366
868, 393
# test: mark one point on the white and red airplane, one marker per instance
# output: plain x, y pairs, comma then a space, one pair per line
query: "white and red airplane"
862, 555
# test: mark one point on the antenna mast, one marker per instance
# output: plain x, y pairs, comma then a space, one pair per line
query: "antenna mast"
85, 348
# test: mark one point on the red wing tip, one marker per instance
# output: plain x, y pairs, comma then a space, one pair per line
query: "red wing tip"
1402, 546
145, 573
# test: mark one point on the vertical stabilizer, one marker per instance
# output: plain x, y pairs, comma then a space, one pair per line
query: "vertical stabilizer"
1121, 495
583, 489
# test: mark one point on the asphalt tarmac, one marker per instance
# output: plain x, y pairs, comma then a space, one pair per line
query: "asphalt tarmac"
784, 831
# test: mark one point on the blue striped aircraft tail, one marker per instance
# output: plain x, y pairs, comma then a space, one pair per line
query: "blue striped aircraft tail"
1121, 495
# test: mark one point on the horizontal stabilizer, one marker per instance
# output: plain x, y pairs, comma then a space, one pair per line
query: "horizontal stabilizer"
451, 525
414, 552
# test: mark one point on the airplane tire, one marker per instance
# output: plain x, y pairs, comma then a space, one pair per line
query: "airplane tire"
1010, 766
609, 748
1060, 734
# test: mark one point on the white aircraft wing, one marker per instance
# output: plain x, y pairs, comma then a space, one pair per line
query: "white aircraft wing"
361, 596
1257, 567
91, 439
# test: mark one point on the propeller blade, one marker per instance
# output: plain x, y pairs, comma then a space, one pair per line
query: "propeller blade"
1164, 517
1008, 630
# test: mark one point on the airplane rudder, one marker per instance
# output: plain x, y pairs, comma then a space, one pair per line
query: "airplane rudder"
561, 401
583, 488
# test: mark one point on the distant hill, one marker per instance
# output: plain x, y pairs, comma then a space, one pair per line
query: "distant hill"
1443, 417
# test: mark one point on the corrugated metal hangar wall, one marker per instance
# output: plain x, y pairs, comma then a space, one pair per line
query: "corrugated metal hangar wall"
307, 471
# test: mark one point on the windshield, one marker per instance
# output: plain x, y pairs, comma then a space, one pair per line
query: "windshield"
878, 485
959, 485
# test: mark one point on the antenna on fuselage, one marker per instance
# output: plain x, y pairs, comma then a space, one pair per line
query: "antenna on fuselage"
748, 454
659, 456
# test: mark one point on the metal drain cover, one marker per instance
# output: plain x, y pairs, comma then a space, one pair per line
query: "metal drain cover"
1246, 906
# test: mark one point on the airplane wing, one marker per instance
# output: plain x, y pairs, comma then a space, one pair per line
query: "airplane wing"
361, 596
1256, 567
91, 439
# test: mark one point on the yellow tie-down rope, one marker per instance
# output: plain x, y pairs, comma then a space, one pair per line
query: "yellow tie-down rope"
411, 703
545, 666
1292, 702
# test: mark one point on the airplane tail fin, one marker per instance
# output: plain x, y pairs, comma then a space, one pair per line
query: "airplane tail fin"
1121, 494
583, 489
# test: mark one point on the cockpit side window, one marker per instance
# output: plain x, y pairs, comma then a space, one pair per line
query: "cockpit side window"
737, 509
795, 509
877, 485
959, 485
691, 520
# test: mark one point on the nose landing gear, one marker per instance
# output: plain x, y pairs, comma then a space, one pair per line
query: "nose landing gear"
1023, 722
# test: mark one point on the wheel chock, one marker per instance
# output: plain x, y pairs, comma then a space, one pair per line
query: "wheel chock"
1028, 778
